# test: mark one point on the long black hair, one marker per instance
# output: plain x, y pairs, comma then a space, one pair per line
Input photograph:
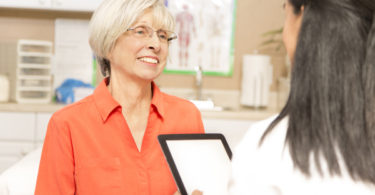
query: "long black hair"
331, 105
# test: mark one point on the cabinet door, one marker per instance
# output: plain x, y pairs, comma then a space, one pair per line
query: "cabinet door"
17, 126
37, 4
232, 129
75, 5
42, 120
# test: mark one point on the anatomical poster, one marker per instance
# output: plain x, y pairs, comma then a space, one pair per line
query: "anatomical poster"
205, 31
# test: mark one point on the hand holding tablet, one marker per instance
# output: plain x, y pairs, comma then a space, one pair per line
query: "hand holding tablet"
198, 161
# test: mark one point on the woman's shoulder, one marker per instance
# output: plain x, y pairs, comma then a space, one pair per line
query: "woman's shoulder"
257, 166
257, 130
177, 102
272, 142
74, 109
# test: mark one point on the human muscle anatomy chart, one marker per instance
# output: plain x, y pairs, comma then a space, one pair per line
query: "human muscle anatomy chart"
204, 29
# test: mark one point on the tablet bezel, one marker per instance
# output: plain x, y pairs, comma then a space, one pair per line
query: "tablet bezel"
163, 138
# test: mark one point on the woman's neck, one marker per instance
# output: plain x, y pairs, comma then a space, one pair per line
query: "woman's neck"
129, 93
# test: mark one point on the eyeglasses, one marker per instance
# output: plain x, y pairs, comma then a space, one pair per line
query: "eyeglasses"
145, 31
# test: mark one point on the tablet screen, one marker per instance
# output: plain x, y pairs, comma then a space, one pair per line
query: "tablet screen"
198, 161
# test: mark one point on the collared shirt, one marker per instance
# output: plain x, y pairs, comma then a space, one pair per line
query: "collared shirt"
90, 150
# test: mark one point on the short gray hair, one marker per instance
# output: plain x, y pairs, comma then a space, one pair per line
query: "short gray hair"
113, 17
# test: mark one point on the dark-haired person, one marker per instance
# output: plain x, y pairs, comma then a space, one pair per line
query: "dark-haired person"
106, 144
323, 141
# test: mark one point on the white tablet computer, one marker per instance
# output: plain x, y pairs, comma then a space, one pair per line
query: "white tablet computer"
198, 161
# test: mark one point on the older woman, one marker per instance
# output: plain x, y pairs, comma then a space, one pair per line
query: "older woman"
107, 143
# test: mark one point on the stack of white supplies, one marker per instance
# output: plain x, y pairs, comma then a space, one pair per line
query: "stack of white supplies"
33, 74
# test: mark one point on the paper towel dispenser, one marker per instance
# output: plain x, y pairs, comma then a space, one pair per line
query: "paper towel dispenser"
256, 80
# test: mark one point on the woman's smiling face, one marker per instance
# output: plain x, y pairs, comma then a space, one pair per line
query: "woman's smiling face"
139, 58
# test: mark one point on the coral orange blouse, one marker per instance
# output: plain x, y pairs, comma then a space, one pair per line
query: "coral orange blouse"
89, 149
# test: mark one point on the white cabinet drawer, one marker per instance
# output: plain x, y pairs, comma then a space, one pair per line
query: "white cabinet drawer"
66, 5
17, 126
25, 3
75, 5
42, 120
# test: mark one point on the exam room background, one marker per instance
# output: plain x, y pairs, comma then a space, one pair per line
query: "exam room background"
253, 18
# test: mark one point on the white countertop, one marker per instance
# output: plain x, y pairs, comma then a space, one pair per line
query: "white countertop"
16, 107
240, 114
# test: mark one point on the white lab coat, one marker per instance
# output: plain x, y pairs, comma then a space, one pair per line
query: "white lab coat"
269, 169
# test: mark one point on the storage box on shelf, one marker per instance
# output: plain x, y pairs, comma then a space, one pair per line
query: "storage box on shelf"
55, 5
34, 72
28, 62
